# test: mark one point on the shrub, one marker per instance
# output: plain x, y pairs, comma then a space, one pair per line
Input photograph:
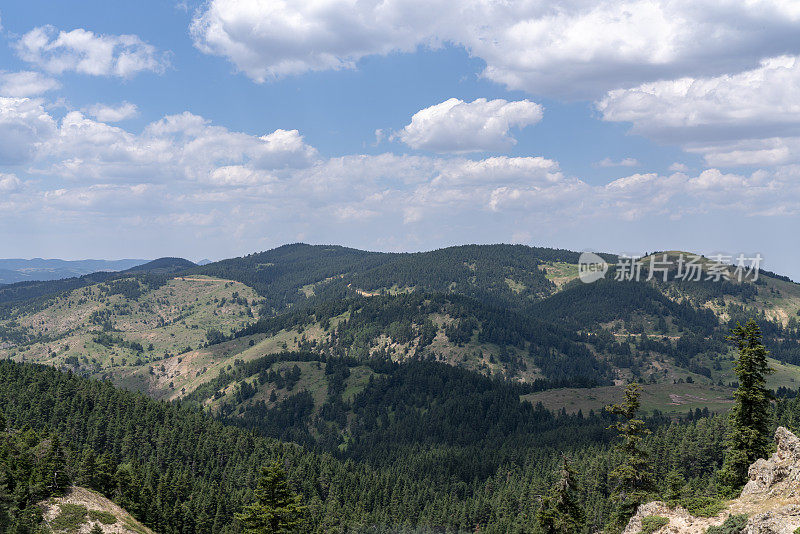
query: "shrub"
70, 518
733, 525
703, 506
107, 518
652, 523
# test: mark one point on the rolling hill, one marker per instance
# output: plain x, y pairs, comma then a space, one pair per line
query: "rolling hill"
170, 327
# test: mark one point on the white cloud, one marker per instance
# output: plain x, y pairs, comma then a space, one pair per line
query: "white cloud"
26, 83
24, 126
182, 146
184, 172
85, 52
9, 183
749, 118
625, 162
564, 49
105, 113
458, 126
269, 39
679, 167
754, 152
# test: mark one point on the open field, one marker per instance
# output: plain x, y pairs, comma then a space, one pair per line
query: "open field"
671, 399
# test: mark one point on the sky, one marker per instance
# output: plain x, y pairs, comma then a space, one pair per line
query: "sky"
220, 128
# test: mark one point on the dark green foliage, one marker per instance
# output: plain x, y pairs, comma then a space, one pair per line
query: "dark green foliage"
416, 403
277, 508
479, 271
561, 353
748, 438
561, 512
70, 518
475, 270
152, 455
51, 471
702, 505
733, 525
633, 475
652, 523
279, 274
107, 518
32, 468
582, 305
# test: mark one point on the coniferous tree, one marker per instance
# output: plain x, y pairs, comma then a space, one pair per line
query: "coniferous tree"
87, 473
5, 504
561, 512
277, 509
675, 483
52, 471
633, 476
748, 436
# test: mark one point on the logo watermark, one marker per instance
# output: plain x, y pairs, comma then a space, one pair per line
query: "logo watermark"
675, 267
591, 267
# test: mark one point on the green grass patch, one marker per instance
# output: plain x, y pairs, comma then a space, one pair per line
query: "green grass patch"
70, 518
107, 518
652, 523
670, 399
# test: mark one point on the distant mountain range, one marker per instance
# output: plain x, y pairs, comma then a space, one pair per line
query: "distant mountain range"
37, 269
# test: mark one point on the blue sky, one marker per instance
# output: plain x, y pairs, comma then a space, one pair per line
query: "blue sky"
222, 128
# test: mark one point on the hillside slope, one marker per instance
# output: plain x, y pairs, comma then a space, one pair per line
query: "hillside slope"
768, 504
168, 327
80, 509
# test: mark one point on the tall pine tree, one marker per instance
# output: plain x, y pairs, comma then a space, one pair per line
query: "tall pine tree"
632, 478
748, 436
277, 509
561, 512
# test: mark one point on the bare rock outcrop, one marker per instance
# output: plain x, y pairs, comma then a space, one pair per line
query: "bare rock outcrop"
780, 475
680, 520
770, 499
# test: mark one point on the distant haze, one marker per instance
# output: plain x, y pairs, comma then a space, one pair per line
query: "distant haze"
21, 270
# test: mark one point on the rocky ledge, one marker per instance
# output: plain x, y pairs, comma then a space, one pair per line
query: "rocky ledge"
771, 498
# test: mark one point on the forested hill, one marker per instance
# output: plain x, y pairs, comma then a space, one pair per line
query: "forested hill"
507, 311
410, 391
24, 292
178, 471
504, 274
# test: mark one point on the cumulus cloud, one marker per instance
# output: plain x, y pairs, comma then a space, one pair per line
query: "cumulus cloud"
184, 171
187, 146
268, 40
85, 52
624, 162
458, 126
26, 83
105, 113
24, 127
749, 118
570, 48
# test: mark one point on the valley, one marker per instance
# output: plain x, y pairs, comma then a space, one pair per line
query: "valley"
504, 311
